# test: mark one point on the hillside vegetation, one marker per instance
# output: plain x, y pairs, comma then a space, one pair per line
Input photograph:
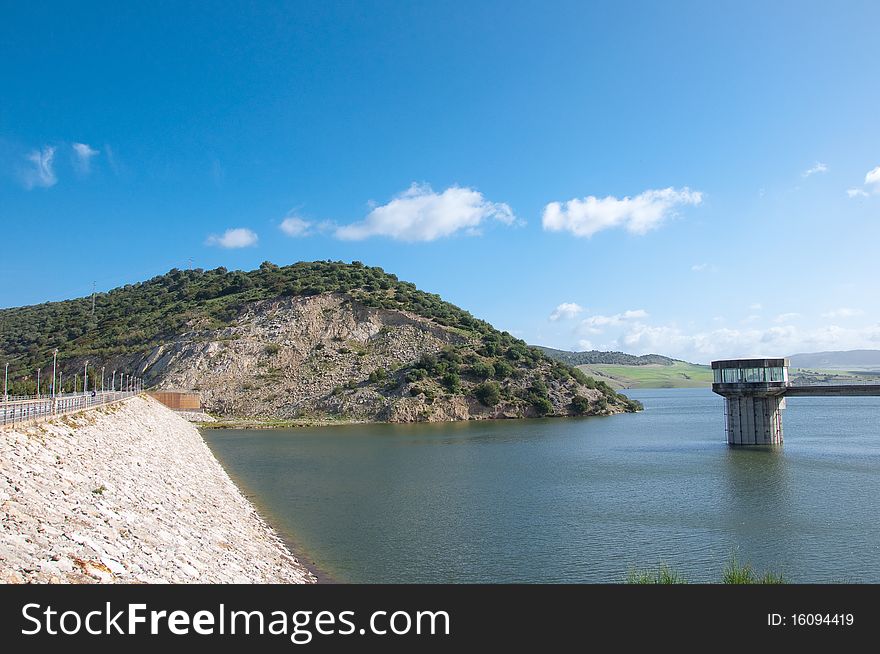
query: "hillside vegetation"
678, 374
318, 338
591, 357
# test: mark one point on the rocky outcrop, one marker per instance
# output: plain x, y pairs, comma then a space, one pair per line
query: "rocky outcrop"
313, 357
128, 493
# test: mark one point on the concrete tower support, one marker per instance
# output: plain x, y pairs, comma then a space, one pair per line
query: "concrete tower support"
754, 419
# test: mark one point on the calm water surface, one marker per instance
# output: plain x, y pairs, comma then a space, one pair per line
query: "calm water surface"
574, 500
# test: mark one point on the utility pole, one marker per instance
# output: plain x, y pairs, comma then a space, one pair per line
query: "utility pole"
6, 384
93, 299
190, 263
113, 385
86, 378
38, 383
102, 379
60, 385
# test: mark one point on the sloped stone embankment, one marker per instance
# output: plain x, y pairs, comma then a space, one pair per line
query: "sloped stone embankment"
128, 493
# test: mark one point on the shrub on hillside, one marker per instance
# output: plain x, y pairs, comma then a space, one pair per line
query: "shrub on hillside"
488, 393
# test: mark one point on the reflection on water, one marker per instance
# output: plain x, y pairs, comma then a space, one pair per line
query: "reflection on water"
574, 500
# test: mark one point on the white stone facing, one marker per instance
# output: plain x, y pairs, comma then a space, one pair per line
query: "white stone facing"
128, 493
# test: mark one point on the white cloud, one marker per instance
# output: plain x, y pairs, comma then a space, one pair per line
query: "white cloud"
295, 226
785, 317
239, 237
856, 193
638, 215
82, 160
700, 267
42, 173
616, 319
723, 342
566, 311
584, 344
843, 312
818, 168
873, 176
420, 214
755, 307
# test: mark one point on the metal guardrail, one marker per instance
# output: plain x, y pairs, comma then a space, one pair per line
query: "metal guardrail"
839, 382
18, 410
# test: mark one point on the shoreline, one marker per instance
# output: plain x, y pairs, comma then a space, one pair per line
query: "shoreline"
297, 550
294, 423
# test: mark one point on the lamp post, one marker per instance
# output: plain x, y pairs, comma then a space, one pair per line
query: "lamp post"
38, 383
102, 379
113, 385
54, 359
60, 384
86, 379
6, 384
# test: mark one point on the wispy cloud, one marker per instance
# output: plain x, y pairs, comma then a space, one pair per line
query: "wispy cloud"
566, 311
872, 183
638, 215
755, 307
113, 159
420, 214
41, 171
295, 226
82, 157
818, 168
699, 267
597, 321
786, 317
843, 312
239, 237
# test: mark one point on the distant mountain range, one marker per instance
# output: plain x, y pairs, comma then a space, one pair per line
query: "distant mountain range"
845, 360
593, 357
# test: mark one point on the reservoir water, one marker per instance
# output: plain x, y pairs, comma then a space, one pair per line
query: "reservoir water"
574, 499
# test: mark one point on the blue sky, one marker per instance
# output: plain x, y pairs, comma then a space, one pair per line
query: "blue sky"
695, 179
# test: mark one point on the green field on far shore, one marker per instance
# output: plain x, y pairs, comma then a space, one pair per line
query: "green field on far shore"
678, 375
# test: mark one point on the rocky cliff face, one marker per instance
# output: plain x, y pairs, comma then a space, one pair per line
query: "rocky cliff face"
329, 355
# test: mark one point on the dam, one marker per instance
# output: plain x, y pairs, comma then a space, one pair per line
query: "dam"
754, 392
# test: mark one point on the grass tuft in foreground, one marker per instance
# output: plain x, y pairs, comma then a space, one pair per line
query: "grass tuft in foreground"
733, 573
663, 575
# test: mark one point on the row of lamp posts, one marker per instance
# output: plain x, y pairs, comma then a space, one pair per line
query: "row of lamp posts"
127, 382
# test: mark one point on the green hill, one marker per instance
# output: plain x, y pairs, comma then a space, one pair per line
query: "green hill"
850, 360
678, 374
318, 338
591, 357
621, 370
